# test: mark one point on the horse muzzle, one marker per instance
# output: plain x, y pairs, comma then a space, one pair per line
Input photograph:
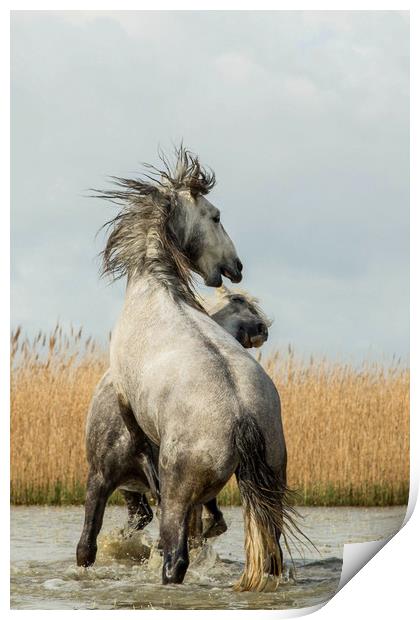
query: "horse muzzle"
233, 272
215, 280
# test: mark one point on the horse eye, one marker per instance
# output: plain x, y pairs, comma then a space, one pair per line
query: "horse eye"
239, 300
216, 219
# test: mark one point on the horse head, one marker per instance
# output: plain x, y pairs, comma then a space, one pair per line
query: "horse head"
239, 314
167, 219
196, 222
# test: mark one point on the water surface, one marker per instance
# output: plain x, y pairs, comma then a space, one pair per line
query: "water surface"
44, 574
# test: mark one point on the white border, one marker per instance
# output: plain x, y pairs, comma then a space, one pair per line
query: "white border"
386, 585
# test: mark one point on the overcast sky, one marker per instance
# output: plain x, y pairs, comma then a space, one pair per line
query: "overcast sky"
303, 116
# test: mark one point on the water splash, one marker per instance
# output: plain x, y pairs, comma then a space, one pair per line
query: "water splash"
120, 544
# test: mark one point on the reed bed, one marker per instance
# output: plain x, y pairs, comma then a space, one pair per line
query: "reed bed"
347, 428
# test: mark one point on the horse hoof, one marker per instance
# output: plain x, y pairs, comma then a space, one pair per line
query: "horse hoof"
85, 556
215, 528
174, 573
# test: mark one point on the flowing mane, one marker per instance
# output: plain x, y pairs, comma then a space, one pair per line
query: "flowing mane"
139, 237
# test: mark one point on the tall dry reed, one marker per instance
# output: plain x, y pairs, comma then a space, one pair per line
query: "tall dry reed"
347, 428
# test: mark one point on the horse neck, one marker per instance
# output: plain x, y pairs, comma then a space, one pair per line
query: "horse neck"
159, 271
158, 280
141, 286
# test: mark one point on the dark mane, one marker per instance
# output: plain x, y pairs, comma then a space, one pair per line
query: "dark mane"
185, 173
139, 237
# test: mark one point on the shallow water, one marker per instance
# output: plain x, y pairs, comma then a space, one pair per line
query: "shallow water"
44, 574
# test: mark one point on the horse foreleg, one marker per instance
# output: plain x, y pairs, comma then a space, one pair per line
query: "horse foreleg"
139, 512
195, 538
174, 540
214, 523
98, 491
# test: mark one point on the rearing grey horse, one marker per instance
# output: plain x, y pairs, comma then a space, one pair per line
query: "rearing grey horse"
192, 388
116, 454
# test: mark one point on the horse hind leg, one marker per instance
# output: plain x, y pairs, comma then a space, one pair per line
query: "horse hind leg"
98, 491
142, 447
174, 529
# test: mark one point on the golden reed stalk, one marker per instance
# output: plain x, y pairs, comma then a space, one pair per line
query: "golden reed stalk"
347, 428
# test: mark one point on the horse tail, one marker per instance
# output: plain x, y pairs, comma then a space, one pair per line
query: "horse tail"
266, 505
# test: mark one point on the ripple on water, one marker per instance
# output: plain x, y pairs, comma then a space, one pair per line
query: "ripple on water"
127, 574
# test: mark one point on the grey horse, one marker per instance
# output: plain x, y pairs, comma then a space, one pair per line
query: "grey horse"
188, 384
113, 452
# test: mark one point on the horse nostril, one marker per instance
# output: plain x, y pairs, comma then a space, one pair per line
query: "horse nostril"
239, 265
